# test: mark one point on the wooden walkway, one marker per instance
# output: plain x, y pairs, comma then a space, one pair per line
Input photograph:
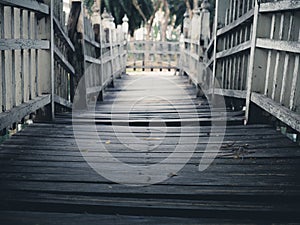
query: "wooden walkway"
46, 180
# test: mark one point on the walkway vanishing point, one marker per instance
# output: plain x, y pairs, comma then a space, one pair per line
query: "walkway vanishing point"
215, 141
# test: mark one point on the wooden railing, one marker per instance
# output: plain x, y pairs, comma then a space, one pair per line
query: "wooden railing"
106, 59
153, 55
39, 67
253, 55
25, 72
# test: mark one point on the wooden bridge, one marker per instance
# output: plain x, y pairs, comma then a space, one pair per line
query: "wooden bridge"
206, 133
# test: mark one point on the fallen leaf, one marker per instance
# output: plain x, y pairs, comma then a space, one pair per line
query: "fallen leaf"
172, 174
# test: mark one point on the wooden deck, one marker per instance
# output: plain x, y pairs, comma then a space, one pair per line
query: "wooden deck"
46, 180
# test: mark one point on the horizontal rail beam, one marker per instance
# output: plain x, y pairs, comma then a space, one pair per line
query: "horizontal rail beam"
19, 44
236, 23
17, 113
279, 6
287, 46
31, 5
277, 110
94, 43
66, 39
231, 93
242, 47
65, 63
61, 101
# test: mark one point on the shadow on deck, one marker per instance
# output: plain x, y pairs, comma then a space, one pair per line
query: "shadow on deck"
46, 180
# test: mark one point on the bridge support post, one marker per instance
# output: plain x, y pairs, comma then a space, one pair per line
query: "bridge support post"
46, 65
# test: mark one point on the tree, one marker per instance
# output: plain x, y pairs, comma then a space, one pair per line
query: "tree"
138, 11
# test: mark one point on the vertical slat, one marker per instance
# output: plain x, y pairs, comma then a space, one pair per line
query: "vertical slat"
22, 58
238, 8
36, 57
277, 61
238, 72
295, 79
268, 70
243, 71
226, 17
234, 73
223, 72
52, 58
251, 60
249, 5
286, 62
29, 55
3, 61
13, 58
244, 7
231, 11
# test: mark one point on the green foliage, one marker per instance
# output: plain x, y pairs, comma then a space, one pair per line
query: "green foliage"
119, 8
88, 4
178, 8
122, 7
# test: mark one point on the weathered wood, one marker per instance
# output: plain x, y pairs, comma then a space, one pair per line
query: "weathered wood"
234, 50
230, 93
279, 6
64, 35
66, 64
19, 112
46, 173
236, 23
268, 69
277, 110
251, 59
287, 46
61, 101
31, 5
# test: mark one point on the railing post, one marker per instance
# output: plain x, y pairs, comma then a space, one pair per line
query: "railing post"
251, 61
125, 29
213, 79
46, 64
52, 58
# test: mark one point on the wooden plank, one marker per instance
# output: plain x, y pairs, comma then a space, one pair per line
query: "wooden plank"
295, 81
251, 59
17, 44
52, 62
36, 57
13, 59
96, 61
30, 5
3, 77
236, 23
278, 65
64, 62
268, 70
287, 46
22, 58
19, 112
94, 43
277, 110
61, 101
234, 50
286, 63
66, 39
29, 66
231, 93
283, 5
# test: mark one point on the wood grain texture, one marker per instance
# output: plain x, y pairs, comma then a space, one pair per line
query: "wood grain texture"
44, 175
